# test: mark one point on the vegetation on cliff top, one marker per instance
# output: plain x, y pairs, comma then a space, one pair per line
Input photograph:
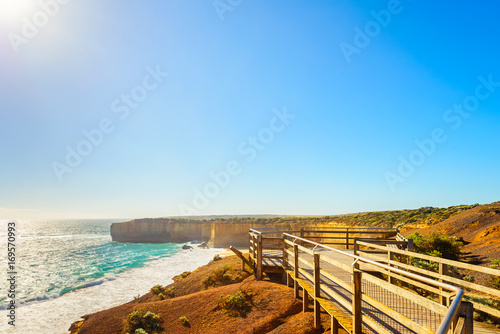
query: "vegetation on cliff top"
397, 218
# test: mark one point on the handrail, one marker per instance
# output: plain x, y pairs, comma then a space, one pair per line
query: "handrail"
311, 227
454, 263
324, 230
391, 229
453, 309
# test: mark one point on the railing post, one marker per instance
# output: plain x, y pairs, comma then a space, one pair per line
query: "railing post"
410, 245
284, 262
335, 325
305, 300
390, 257
296, 270
356, 299
443, 270
467, 311
285, 254
317, 289
254, 249
259, 257
347, 238
250, 246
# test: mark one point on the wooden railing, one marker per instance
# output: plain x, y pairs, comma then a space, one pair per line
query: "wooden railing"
402, 259
347, 284
334, 236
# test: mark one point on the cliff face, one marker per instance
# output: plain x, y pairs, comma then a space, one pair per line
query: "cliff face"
171, 230
160, 230
217, 232
225, 235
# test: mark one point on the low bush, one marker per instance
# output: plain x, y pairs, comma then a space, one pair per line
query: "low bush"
495, 280
169, 292
143, 320
218, 278
140, 331
157, 289
469, 278
184, 321
163, 292
232, 302
237, 304
438, 245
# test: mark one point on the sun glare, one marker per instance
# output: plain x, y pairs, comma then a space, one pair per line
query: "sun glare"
14, 10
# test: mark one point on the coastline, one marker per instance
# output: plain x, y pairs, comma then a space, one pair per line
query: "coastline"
56, 315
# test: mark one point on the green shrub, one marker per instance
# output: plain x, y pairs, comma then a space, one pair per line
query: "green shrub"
469, 278
157, 289
185, 274
184, 320
162, 292
436, 244
217, 257
423, 264
218, 277
234, 304
495, 264
169, 292
495, 280
146, 321
140, 331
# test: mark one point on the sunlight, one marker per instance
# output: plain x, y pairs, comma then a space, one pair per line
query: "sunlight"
14, 10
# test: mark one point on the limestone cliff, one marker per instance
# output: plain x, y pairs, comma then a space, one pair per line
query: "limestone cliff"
216, 232
160, 230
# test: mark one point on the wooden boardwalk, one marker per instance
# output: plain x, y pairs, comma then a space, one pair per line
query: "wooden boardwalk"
336, 287
337, 296
358, 287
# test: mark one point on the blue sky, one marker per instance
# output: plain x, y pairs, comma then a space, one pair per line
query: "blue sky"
246, 107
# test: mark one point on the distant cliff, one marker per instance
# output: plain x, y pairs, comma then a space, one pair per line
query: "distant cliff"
217, 232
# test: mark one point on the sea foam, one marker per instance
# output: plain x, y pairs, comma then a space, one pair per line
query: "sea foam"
55, 315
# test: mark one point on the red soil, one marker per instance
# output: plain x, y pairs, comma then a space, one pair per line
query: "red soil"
479, 227
271, 308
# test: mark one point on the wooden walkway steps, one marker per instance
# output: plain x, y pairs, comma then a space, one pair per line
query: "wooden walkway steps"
339, 316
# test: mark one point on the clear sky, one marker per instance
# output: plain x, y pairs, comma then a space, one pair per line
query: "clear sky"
164, 108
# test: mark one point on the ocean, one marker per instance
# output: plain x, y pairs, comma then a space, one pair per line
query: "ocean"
68, 268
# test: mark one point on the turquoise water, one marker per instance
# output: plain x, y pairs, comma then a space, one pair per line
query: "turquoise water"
56, 257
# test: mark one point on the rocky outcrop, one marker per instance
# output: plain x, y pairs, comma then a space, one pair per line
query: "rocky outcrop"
203, 245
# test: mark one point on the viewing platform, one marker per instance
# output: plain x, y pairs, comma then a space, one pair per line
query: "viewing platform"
363, 278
